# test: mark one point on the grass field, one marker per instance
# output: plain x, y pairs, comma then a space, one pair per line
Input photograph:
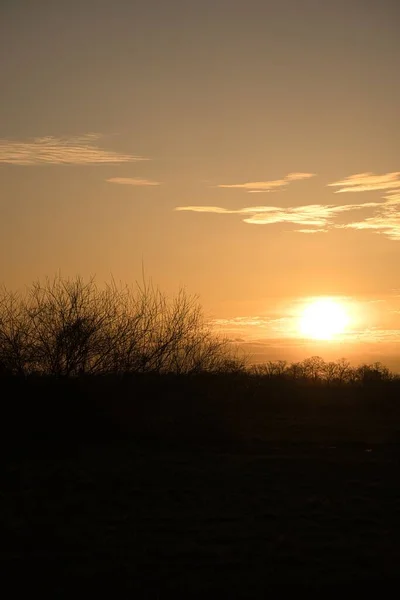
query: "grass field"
244, 514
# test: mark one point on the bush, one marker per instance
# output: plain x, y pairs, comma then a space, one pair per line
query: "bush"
66, 327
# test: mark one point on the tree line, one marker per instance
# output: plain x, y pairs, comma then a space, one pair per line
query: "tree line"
316, 370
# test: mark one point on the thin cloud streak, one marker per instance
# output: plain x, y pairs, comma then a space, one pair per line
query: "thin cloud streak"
133, 181
258, 191
252, 321
386, 221
254, 326
206, 209
319, 218
367, 182
311, 230
256, 185
268, 185
312, 215
285, 328
299, 176
80, 150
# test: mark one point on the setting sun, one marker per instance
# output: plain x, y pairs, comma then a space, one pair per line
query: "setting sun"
323, 319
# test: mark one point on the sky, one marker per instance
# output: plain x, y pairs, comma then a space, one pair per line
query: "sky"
247, 150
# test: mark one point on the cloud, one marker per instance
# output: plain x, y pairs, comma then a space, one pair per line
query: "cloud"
318, 216
81, 150
206, 209
252, 321
390, 226
311, 230
299, 176
254, 326
375, 334
132, 181
386, 220
258, 191
284, 332
366, 182
256, 185
269, 186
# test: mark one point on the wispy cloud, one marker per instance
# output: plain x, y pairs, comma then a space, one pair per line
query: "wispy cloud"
299, 176
80, 150
269, 186
280, 319
207, 209
312, 215
250, 321
256, 185
254, 326
310, 230
383, 218
374, 334
132, 181
366, 182
386, 220
258, 191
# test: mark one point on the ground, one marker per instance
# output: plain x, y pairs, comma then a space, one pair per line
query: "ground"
181, 520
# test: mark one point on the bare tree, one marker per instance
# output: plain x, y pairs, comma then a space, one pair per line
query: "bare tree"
15, 334
68, 327
337, 372
372, 374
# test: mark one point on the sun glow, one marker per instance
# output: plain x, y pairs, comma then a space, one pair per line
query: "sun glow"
323, 319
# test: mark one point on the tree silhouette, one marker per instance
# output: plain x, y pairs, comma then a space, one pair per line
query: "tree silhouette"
68, 327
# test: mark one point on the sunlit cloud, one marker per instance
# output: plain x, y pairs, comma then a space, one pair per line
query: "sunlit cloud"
132, 181
251, 321
388, 226
254, 326
312, 215
258, 191
299, 176
386, 219
317, 215
269, 186
376, 335
256, 185
206, 209
319, 218
80, 150
274, 334
366, 182
392, 198
311, 230
285, 328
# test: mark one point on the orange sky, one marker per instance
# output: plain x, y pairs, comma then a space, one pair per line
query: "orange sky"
247, 150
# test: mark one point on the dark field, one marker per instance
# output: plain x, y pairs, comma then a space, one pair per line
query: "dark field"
250, 498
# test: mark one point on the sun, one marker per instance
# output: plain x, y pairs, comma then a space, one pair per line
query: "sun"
324, 319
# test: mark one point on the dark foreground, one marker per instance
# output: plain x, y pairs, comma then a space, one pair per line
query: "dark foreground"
156, 521
199, 487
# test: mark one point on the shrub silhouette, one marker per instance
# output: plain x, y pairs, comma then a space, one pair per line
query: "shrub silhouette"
68, 327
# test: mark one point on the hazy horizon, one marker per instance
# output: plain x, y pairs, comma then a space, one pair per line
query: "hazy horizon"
247, 151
